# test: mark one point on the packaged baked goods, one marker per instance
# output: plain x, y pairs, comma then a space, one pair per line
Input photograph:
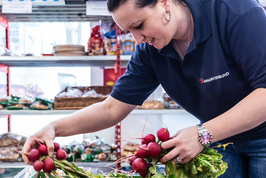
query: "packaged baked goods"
17, 100
151, 104
95, 43
110, 43
168, 103
129, 149
10, 144
69, 50
11, 139
17, 107
128, 44
41, 104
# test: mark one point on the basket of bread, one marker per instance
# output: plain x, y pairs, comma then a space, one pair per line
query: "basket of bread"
72, 98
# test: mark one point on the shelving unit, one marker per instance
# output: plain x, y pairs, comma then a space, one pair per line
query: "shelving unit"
63, 61
61, 112
66, 13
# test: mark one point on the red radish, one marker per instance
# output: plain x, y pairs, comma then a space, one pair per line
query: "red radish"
34, 155
149, 138
163, 134
61, 154
38, 165
153, 149
141, 152
132, 159
48, 165
143, 174
56, 146
139, 165
143, 141
43, 149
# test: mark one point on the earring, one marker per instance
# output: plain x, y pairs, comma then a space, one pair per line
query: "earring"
165, 12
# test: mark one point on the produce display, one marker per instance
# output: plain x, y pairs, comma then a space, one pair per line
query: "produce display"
207, 164
26, 102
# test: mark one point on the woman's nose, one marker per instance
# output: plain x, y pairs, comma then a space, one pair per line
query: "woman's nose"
138, 37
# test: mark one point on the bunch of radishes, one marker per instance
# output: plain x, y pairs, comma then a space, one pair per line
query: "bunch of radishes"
208, 163
149, 152
41, 160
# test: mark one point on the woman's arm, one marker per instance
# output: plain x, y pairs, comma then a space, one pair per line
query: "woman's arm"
90, 119
93, 118
247, 114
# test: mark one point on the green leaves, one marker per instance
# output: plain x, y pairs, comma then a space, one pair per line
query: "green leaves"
207, 164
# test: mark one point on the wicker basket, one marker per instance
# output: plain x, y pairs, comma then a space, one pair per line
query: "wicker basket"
73, 103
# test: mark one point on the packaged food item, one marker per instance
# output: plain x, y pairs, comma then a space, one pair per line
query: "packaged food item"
10, 144
128, 44
169, 103
41, 104
110, 42
129, 149
151, 104
3, 101
17, 107
69, 50
17, 100
38, 106
95, 43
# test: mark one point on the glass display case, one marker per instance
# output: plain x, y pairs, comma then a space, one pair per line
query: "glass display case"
11, 170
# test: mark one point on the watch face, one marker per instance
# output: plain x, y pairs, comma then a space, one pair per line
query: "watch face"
205, 138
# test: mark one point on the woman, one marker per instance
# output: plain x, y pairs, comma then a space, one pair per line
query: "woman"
210, 57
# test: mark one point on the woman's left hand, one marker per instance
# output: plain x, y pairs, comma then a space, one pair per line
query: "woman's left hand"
185, 145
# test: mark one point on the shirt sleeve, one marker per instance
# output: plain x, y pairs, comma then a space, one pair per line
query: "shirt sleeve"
247, 41
139, 80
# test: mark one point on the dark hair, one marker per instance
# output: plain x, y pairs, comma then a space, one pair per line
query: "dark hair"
112, 5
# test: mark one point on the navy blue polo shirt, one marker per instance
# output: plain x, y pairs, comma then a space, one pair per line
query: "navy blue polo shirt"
225, 62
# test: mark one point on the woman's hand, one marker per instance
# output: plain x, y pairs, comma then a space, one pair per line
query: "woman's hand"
185, 145
45, 136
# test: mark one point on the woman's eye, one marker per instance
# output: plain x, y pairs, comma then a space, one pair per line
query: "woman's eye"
139, 27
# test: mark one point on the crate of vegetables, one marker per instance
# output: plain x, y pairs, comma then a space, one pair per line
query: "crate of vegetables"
72, 98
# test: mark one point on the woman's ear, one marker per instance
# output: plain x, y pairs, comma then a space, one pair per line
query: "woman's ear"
165, 4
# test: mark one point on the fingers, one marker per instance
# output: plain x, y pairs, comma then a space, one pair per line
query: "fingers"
50, 148
25, 158
30, 143
184, 146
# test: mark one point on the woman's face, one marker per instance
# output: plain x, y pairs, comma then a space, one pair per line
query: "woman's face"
147, 25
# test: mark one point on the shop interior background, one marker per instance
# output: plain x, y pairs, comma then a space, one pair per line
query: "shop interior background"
46, 82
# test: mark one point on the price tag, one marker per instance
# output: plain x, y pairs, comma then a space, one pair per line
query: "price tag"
17, 7
97, 8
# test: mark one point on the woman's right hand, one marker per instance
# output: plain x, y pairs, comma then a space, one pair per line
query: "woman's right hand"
46, 136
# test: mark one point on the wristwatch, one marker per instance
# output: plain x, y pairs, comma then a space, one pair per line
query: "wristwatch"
205, 137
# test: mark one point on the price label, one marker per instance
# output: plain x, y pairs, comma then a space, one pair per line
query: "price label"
97, 8
17, 7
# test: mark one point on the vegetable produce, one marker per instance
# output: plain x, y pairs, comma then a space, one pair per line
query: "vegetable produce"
207, 164
163, 134
43, 149
34, 155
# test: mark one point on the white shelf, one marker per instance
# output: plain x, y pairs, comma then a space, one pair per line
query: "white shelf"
62, 112
63, 61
